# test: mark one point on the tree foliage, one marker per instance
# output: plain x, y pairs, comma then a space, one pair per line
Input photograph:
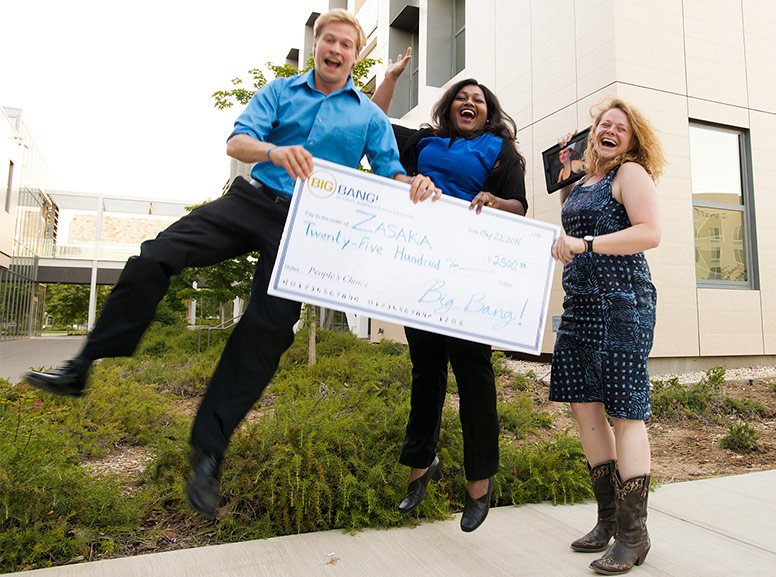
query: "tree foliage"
238, 94
69, 303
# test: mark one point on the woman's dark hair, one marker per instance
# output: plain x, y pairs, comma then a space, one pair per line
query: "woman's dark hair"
498, 123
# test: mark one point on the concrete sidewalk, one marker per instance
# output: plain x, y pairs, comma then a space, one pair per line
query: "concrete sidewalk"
20, 355
714, 527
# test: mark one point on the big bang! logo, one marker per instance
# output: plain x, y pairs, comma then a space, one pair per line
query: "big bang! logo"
321, 184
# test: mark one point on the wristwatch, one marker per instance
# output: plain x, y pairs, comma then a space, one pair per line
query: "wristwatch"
588, 242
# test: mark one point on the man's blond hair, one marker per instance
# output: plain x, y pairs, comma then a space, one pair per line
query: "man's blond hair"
340, 15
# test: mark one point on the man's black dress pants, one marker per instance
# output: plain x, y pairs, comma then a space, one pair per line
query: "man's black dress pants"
245, 219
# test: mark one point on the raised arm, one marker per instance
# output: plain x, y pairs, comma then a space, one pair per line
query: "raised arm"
566, 190
384, 93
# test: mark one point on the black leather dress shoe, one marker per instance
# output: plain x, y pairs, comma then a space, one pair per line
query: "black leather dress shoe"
475, 510
204, 490
416, 490
69, 380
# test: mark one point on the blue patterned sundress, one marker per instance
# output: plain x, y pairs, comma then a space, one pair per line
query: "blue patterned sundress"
608, 321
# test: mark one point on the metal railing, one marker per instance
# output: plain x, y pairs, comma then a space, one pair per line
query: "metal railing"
227, 324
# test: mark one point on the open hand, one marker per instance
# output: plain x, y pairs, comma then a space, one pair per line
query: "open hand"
395, 69
564, 140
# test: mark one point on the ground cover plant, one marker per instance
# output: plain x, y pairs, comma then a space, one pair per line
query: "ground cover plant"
706, 400
318, 452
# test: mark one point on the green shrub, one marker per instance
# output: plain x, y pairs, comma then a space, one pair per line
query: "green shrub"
499, 360
316, 464
519, 381
389, 347
324, 454
160, 340
745, 407
520, 417
740, 438
552, 471
672, 399
715, 378
51, 509
166, 316
452, 383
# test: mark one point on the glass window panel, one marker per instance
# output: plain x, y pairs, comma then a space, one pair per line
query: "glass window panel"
715, 165
459, 36
460, 14
719, 248
460, 52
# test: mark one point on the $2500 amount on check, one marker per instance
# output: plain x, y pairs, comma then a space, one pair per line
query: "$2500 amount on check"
355, 242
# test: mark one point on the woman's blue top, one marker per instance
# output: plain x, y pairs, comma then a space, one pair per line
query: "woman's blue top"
459, 167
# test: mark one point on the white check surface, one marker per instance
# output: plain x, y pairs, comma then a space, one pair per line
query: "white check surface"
355, 242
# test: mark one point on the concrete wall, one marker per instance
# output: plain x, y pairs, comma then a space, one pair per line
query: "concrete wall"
10, 151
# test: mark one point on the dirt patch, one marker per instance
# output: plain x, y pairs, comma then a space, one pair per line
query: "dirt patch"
688, 448
126, 461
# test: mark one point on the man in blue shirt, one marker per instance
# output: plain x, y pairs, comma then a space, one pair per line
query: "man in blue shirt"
287, 122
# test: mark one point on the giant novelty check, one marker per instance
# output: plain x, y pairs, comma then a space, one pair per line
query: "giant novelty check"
355, 242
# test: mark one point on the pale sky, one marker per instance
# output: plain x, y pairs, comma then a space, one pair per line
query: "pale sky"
117, 94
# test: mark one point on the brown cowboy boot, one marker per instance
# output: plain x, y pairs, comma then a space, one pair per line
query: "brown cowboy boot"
631, 543
602, 479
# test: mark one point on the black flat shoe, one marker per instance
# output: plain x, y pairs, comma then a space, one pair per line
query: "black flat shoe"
69, 380
204, 491
416, 490
475, 510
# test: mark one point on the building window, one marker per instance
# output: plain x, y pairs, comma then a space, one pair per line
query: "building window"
446, 40
414, 67
459, 36
403, 32
367, 16
720, 170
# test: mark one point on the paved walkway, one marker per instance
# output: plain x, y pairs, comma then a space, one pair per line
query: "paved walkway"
714, 527
20, 355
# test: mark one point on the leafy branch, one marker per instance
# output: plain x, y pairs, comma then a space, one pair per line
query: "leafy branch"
239, 94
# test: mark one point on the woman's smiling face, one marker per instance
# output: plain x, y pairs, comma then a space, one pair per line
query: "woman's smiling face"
614, 134
469, 111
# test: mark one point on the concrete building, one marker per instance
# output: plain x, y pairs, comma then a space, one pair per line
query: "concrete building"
27, 223
704, 73
96, 234
60, 237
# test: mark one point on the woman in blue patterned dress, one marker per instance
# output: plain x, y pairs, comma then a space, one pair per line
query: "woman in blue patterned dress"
469, 152
599, 364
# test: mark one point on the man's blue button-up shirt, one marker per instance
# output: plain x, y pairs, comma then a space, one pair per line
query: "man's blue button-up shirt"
341, 127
